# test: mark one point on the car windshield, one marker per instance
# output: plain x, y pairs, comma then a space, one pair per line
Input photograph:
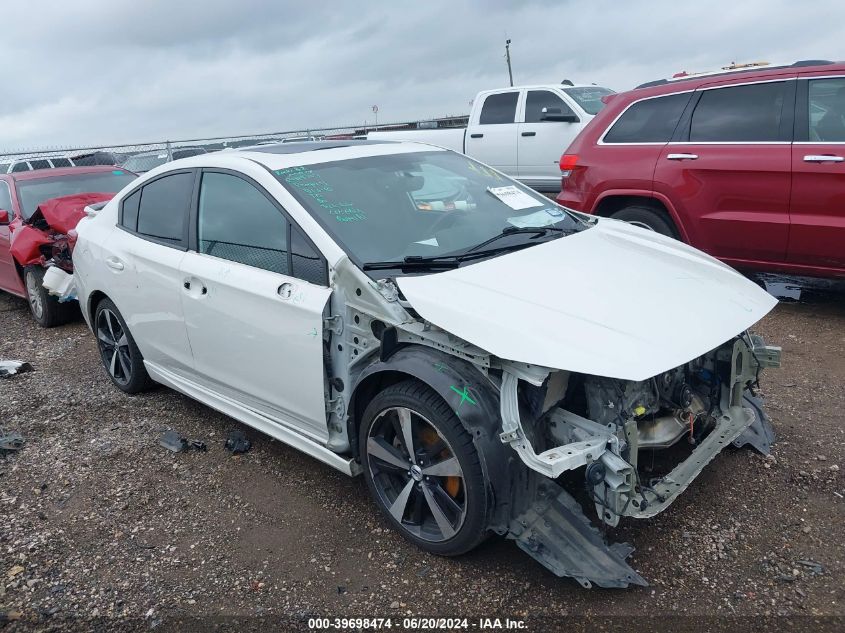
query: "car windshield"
589, 97
422, 205
32, 193
140, 164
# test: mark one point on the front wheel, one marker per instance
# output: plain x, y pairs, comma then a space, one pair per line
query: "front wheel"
423, 470
45, 308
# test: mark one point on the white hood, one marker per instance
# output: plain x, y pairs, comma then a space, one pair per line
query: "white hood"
613, 300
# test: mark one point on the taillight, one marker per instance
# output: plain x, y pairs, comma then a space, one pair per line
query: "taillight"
567, 164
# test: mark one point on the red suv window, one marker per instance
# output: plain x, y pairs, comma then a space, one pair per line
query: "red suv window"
649, 121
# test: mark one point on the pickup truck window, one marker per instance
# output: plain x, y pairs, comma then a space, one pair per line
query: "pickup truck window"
499, 108
539, 99
649, 120
421, 204
589, 97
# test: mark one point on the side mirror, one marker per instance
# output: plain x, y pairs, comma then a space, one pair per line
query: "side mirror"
4, 216
557, 115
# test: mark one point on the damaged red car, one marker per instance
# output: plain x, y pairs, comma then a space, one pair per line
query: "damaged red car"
38, 212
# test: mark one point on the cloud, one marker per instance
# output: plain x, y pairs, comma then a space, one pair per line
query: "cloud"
92, 72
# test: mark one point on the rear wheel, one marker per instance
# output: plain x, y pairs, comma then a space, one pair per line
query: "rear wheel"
647, 218
45, 308
118, 351
422, 469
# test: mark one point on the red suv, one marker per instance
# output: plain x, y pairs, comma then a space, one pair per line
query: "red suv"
28, 240
747, 164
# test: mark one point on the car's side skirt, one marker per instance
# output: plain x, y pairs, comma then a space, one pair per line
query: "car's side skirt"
258, 421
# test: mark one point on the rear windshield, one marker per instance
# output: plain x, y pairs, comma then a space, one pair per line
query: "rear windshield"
140, 164
32, 193
589, 97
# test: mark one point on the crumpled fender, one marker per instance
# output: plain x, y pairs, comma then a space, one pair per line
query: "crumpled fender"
475, 400
64, 213
26, 243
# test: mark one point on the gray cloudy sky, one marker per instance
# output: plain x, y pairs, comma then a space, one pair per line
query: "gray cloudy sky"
98, 72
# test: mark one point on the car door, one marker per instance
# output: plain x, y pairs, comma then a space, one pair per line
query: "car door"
9, 279
817, 205
542, 141
254, 291
728, 170
143, 255
492, 139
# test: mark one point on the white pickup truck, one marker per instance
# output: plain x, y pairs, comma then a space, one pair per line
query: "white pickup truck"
521, 131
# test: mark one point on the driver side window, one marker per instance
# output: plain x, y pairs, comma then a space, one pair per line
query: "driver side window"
539, 99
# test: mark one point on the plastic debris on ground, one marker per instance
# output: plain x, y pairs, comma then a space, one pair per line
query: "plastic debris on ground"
172, 441
12, 367
10, 441
236, 442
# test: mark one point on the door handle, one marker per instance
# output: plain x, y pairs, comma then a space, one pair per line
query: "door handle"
822, 158
681, 156
529, 133
285, 290
476, 136
114, 263
187, 285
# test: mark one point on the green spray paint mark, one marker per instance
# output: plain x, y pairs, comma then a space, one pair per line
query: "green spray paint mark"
440, 367
463, 394
313, 332
117, 172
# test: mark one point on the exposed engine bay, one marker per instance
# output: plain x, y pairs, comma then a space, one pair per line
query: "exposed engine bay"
558, 445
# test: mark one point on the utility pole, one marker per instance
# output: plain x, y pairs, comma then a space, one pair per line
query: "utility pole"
375, 111
508, 57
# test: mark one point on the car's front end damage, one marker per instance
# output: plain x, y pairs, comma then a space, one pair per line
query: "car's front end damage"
635, 445
557, 443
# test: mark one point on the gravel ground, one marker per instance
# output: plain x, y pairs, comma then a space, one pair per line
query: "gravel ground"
99, 524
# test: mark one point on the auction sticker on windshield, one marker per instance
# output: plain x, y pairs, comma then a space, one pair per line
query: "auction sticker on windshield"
514, 197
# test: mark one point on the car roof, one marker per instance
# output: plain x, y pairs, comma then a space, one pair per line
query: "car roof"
40, 174
298, 147
285, 155
738, 73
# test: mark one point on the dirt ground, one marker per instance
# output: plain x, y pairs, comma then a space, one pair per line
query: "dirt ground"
100, 527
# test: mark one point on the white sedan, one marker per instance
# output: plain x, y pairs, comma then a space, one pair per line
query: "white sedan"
482, 355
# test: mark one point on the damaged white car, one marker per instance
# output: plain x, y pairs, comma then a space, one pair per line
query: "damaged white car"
490, 361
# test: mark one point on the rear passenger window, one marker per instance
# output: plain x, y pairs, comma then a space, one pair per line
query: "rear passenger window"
649, 121
164, 207
129, 211
237, 222
827, 110
499, 108
739, 114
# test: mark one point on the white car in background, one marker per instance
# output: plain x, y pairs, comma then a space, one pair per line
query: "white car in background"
408, 313
521, 131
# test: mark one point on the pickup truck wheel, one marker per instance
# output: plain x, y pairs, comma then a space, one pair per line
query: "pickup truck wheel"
422, 469
45, 308
647, 218
118, 351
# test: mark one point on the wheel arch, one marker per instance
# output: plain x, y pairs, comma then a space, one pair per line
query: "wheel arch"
611, 202
465, 389
94, 300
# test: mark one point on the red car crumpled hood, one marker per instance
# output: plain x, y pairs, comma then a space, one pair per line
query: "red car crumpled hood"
61, 215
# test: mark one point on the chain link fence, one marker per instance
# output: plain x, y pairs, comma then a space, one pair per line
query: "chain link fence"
145, 156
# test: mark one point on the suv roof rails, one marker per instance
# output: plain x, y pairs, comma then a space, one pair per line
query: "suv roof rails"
733, 71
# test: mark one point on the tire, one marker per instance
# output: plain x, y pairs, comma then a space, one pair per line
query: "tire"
441, 445
120, 355
648, 219
45, 308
